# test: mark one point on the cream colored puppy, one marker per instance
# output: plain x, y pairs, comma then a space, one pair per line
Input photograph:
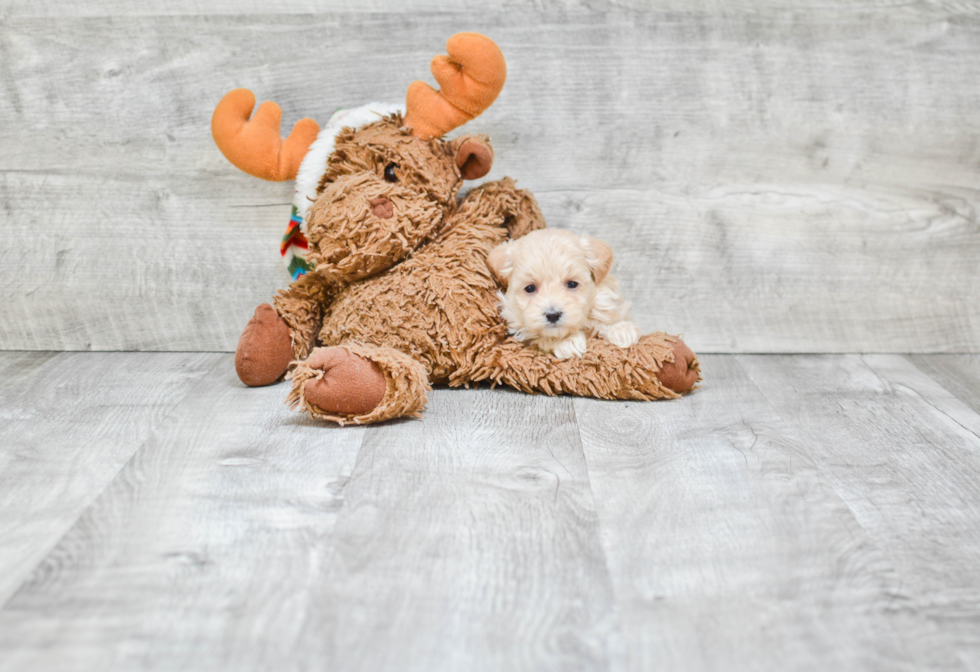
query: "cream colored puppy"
558, 289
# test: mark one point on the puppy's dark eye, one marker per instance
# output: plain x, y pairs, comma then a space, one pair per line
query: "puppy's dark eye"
530, 289
390, 172
571, 284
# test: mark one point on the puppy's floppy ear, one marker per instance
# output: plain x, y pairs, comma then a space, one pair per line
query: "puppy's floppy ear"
500, 264
598, 255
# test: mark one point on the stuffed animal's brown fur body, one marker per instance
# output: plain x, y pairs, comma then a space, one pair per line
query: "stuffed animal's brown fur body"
401, 296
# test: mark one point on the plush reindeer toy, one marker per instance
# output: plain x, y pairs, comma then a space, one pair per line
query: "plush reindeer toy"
391, 289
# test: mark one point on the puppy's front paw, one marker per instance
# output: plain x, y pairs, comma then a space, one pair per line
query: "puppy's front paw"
623, 334
573, 346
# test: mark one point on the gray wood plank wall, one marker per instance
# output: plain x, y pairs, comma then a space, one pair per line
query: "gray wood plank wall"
773, 178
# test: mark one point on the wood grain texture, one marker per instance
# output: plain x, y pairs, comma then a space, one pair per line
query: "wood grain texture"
773, 179
470, 541
242, 536
69, 423
796, 512
946, 404
959, 375
729, 548
201, 553
906, 460
114, 8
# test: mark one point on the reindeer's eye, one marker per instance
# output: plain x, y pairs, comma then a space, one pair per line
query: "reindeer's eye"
571, 284
390, 172
530, 289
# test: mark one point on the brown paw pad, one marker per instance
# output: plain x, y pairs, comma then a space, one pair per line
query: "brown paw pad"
264, 349
681, 374
350, 384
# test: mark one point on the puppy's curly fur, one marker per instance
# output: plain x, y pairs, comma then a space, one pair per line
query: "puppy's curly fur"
559, 290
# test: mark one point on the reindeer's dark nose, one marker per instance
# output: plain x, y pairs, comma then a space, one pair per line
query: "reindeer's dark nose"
382, 208
553, 316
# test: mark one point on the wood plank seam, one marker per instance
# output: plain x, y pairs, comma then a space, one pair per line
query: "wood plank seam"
205, 381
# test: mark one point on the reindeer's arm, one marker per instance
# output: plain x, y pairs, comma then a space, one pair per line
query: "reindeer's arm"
302, 306
276, 337
502, 203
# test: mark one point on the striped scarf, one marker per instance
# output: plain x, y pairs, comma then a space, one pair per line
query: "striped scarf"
294, 247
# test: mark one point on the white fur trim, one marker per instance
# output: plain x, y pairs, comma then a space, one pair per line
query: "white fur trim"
314, 164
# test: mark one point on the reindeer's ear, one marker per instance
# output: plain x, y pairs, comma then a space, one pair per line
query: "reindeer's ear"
474, 156
500, 264
598, 255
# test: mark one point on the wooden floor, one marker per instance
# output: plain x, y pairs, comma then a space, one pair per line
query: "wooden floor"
794, 513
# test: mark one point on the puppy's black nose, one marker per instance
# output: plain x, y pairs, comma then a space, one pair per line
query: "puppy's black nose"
553, 316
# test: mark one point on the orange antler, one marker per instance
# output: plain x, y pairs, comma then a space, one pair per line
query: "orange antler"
471, 77
254, 145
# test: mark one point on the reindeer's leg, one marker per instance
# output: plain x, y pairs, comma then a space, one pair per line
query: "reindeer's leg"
276, 336
359, 384
681, 374
658, 367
